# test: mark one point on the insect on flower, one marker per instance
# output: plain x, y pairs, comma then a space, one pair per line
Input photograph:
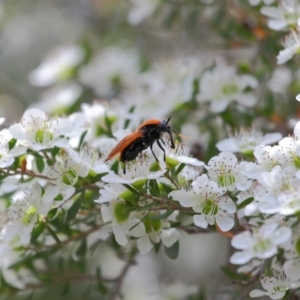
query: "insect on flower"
142, 138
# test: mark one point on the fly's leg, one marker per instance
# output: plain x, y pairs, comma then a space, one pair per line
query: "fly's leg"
153, 153
160, 146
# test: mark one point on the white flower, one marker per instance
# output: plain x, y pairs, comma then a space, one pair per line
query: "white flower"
245, 141
227, 172
283, 188
38, 131
7, 155
281, 78
262, 243
137, 170
57, 66
90, 157
180, 154
276, 286
141, 10
292, 46
25, 210
283, 16
66, 172
157, 230
223, 85
209, 201
256, 2
121, 222
267, 158
95, 115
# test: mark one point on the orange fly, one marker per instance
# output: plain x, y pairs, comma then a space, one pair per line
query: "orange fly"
143, 137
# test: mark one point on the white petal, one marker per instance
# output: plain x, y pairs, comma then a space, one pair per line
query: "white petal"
144, 245
241, 257
271, 138
292, 269
257, 293
106, 213
242, 240
225, 223
281, 235
200, 221
169, 236
136, 227
120, 235
229, 144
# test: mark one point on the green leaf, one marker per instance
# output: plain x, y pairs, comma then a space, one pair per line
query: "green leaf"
82, 249
179, 169
52, 213
154, 188
131, 189
127, 121
245, 203
54, 152
168, 189
82, 139
37, 231
53, 234
40, 164
232, 275
73, 210
173, 251
162, 216
65, 289
12, 143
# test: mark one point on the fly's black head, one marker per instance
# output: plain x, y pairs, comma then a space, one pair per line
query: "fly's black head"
165, 127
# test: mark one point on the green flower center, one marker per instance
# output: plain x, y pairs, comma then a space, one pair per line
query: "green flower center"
30, 213
121, 212
43, 136
226, 180
69, 177
230, 89
210, 207
297, 162
152, 225
262, 246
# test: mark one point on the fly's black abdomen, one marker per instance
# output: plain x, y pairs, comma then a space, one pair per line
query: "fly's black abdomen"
132, 151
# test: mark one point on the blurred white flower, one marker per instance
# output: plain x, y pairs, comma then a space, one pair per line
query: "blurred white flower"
7, 155
59, 98
112, 70
281, 79
222, 85
261, 243
245, 141
141, 10
275, 286
292, 46
286, 15
57, 65
256, 2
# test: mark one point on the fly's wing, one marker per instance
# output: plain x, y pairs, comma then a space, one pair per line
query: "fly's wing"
128, 140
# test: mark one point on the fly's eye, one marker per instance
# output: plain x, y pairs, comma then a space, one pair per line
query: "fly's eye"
164, 127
